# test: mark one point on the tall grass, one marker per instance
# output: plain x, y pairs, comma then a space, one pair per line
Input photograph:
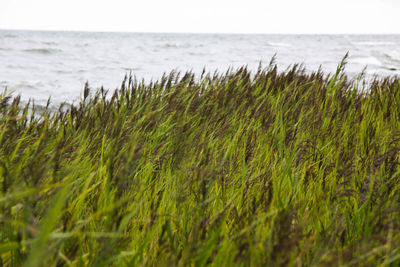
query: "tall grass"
268, 168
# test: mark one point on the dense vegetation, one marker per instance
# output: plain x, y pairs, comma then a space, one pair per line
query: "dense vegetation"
270, 168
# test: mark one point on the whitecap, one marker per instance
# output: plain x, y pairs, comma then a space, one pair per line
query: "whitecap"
393, 55
131, 69
374, 43
366, 61
278, 44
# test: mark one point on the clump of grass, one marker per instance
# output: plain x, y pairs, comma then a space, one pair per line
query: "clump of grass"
269, 168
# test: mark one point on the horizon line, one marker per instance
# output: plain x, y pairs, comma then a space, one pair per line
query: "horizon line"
199, 33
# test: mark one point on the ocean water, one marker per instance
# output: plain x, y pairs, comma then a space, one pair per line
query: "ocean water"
39, 64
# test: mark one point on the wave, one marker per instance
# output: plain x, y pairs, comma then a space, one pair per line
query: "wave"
9, 36
170, 45
23, 85
131, 69
393, 56
374, 43
82, 45
366, 61
176, 45
50, 43
278, 44
201, 53
42, 51
391, 68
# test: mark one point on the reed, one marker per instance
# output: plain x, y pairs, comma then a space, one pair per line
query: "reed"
268, 168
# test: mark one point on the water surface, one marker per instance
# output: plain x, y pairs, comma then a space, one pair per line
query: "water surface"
39, 64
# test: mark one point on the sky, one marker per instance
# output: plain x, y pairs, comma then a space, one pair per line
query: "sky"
205, 16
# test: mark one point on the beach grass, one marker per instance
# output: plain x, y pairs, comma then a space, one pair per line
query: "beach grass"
226, 169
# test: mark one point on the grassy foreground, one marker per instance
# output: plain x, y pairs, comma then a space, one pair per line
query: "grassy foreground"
289, 168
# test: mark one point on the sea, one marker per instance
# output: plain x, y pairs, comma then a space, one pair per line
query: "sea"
42, 64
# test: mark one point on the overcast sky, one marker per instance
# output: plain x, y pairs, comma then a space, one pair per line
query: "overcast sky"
205, 16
